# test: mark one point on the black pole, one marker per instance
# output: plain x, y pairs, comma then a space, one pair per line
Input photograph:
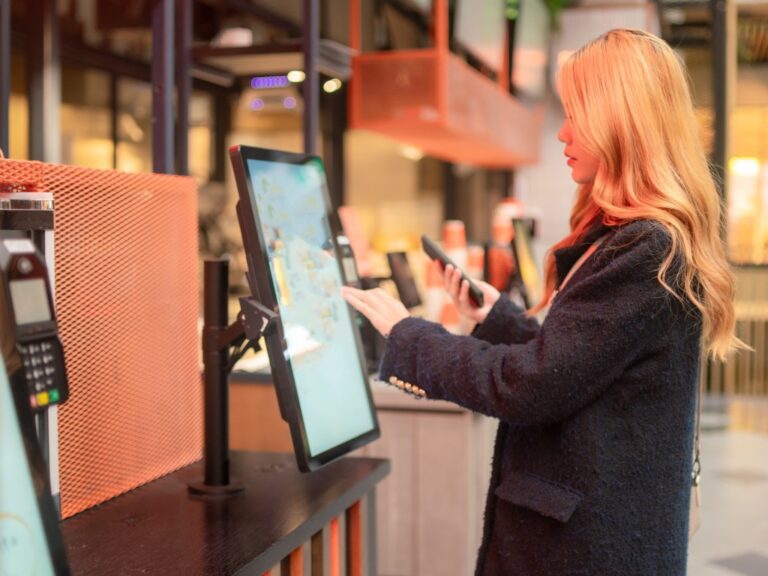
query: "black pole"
162, 87
450, 193
5, 73
216, 477
310, 85
183, 83
720, 75
222, 122
44, 81
215, 359
338, 114
508, 176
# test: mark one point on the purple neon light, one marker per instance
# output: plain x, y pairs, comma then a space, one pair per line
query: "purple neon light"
262, 82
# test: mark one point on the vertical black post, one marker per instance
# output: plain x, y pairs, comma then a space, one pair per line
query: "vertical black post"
508, 176
215, 359
450, 193
720, 79
311, 81
162, 87
5, 73
318, 554
507, 181
183, 83
338, 113
216, 479
44, 65
222, 119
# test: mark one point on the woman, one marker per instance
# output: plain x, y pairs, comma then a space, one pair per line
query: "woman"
593, 459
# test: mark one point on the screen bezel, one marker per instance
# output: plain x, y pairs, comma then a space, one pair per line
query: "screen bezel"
262, 288
38, 472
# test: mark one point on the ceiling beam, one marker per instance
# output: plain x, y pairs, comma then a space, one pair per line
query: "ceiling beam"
265, 15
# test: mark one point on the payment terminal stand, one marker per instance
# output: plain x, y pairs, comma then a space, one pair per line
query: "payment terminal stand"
31, 340
28, 213
243, 334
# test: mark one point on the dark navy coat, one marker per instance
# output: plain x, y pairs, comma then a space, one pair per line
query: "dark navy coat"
593, 459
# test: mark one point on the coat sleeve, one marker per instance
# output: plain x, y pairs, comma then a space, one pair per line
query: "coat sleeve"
506, 323
602, 322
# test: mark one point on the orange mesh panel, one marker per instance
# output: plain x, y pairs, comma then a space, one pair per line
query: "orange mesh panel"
127, 303
21, 176
435, 101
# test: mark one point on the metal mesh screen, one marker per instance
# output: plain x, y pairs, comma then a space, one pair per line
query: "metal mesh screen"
126, 268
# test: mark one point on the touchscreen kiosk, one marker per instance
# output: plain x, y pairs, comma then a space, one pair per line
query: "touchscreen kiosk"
527, 271
294, 269
30, 542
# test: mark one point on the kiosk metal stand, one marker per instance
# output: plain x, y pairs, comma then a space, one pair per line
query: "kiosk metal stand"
252, 322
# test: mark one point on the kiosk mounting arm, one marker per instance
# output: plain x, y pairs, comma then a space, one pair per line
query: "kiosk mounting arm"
256, 318
253, 322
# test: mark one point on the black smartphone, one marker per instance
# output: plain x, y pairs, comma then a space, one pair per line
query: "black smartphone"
436, 253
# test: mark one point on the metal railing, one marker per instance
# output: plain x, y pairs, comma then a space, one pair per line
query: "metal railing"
743, 379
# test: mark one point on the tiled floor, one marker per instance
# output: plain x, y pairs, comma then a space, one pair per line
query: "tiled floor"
733, 538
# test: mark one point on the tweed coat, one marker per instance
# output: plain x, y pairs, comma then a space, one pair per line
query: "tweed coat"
592, 463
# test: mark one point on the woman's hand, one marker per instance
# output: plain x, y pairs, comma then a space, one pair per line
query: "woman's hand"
459, 293
380, 308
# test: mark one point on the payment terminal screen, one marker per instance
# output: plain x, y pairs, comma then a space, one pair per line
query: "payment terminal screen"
331, 385
23, 544
30, 302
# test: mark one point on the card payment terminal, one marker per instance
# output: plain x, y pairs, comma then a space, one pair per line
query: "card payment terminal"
30, 341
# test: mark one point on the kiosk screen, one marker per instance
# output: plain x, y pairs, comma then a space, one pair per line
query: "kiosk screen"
294, 269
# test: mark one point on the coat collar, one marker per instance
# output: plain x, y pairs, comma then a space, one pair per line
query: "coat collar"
566, 257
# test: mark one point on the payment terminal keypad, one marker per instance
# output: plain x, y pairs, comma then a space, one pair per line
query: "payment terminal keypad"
44, 371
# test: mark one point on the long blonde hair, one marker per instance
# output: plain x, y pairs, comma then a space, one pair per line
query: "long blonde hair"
627, 94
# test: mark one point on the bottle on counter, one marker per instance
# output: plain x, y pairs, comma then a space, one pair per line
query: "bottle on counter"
500, 259
455, 246
434, 291
475, 261
455, 242
474, 269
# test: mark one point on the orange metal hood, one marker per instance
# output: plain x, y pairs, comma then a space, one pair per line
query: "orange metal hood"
432, 100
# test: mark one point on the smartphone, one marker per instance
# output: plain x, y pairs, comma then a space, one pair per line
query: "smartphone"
436, 253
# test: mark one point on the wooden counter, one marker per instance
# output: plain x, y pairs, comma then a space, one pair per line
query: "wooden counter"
159, 529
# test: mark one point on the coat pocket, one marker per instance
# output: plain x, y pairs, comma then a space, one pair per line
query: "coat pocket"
540, 495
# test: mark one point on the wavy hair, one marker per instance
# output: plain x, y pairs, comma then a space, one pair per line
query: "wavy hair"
627, 95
